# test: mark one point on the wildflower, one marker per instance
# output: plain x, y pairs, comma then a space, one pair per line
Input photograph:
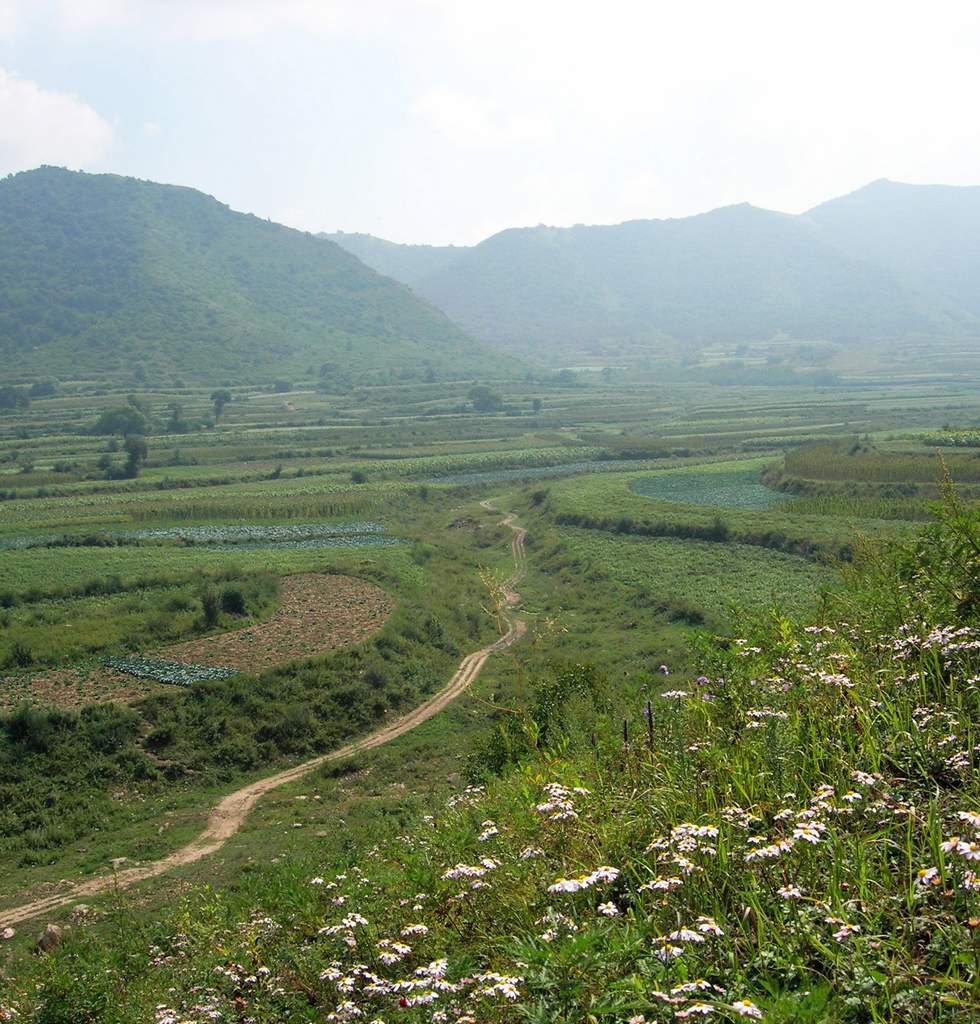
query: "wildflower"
662, 884
746, 1008
316, 881
345, 1011
845, 930
675, 694
698, 985
663, 670
708, 926
465, 871
695, 1010
686, 935
530, 852
790, 892
811, 832
666, 951
604, 874
567, 885
608, 909
928, 876
950, 844
414, 929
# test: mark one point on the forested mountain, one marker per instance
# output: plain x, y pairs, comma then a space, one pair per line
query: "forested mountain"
927, 235
410, 264
888, 262
107, 275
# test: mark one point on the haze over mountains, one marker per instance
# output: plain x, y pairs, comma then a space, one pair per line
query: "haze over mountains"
888, 262
102, 275
105, 275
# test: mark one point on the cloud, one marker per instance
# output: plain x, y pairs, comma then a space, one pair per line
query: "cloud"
219, 20
8, 18
38, 126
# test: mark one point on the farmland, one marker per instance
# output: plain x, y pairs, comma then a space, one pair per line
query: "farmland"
274, 583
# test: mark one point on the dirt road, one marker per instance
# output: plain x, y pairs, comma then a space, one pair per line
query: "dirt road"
228, 816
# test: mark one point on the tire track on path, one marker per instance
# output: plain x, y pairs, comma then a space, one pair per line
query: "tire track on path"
231, 811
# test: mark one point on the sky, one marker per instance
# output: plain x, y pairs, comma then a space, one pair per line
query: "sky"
444, 121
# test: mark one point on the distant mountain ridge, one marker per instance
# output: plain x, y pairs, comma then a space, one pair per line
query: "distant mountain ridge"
106, 275
890, 261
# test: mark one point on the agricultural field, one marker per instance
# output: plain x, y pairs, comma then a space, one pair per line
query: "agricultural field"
306, 567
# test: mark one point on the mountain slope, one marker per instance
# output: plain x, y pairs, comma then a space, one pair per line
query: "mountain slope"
410, 264
928, 235
100, 274
888, 265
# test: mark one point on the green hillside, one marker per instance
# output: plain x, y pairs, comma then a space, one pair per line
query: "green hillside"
104, 275
892, 262
927, 235
410, 264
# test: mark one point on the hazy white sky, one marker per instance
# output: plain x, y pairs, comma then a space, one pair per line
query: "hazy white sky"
447, 120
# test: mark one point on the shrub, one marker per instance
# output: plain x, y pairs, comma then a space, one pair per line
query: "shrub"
233, 601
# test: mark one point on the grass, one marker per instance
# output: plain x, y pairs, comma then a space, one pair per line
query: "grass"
701, 580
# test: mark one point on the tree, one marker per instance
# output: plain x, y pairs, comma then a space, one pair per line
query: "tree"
485, 400
13, 398
536, 405
221, 398
135, 448
122, 420
176, 424
44, 388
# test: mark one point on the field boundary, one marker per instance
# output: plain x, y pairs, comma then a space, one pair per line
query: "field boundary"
231, 811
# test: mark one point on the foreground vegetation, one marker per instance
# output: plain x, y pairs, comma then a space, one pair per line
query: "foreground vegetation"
787, 831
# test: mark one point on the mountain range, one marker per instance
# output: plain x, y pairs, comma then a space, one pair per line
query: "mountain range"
888, 262
111, 277
108, 276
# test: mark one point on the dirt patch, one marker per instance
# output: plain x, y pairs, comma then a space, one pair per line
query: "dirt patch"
75, 687
317, 613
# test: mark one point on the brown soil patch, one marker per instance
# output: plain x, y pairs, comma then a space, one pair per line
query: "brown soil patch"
317, 613
75, 687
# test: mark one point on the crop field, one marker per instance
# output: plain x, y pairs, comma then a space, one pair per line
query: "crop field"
741, 488
316, 613
704, 581
348, 525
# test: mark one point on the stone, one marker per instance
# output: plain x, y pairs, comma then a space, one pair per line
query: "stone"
49, 939
7, 934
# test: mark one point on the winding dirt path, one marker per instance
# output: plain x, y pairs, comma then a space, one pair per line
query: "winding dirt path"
230, 813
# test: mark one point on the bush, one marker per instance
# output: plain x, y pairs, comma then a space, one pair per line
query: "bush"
210, 608
233, 601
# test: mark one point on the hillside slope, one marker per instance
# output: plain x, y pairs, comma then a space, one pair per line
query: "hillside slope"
927, 235
103, 275
410, 264
890, 262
